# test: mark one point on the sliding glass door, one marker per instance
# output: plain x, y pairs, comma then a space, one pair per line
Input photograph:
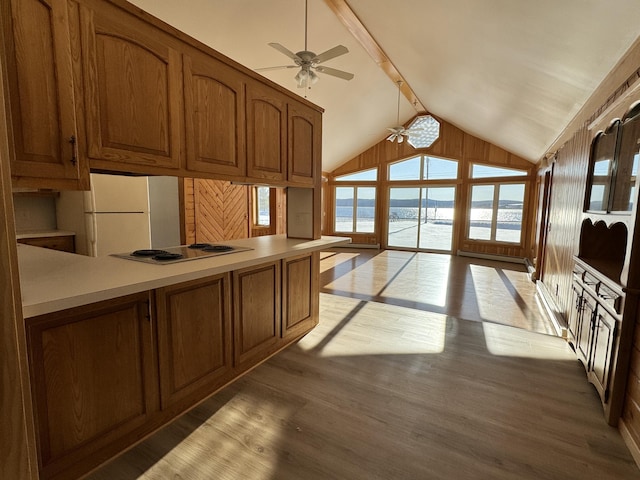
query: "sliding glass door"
421, 217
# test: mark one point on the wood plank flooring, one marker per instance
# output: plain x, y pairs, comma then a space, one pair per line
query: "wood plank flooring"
469, 288
390, 391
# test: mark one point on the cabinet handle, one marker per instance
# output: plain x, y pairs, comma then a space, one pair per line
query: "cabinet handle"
74, 158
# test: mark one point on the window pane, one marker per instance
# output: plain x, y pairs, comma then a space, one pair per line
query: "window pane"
484, 171
510, 206
365, 175
404, 205
437, 169
344, 209
405, 170
262, 212
436, 225
481, 214
366, 210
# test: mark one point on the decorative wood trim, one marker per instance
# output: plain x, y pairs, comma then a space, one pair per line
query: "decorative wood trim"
18, 457
357, 29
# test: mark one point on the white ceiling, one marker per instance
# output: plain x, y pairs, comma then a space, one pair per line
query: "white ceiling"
513, 72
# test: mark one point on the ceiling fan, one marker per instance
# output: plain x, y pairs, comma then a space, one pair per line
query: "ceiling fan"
398, 133
309, 62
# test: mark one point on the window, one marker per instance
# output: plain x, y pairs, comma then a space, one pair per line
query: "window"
365, 175
355, 209
423, 167
496, 212
262, 206
484, 171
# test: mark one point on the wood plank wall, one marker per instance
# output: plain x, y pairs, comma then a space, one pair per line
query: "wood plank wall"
453, 144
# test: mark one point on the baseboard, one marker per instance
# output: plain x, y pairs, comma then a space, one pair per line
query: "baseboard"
629, 441
531, 270
551, 309
375, 246
489, 256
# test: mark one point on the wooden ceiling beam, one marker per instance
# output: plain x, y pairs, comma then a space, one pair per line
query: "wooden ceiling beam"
350, 20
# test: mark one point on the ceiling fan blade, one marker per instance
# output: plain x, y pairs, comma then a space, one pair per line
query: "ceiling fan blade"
329, 54
286, 51
266, 69
335, 73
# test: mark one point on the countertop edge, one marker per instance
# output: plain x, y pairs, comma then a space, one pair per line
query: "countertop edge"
52, 281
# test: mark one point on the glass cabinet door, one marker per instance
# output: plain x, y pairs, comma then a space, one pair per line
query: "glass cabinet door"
624, 189
604, 147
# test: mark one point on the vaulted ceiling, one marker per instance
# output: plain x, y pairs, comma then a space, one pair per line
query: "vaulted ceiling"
512, 72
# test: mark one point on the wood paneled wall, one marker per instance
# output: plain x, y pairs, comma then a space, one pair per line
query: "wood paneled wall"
215, 210
565, 217
453, 144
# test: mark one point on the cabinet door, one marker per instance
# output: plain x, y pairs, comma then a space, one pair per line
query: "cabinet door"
194, 339
257, 319
300, 294
37, 50
585, 329
214, 116
575, 313
266, 133
94, 380
604, 332
305, 142
133, 91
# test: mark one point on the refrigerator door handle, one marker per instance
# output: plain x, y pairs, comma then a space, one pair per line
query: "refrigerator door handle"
92, 227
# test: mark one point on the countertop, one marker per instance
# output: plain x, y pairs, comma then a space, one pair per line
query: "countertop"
43, 234
51, 280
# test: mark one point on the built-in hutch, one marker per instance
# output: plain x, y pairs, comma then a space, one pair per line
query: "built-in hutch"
606, 274
99, 85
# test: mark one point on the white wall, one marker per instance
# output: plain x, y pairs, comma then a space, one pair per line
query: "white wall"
34, 213
164, 207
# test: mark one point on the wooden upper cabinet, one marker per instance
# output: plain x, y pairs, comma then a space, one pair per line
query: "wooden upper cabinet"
133, 91
266, 133
214, 116
42, 126
194, 339
304, 142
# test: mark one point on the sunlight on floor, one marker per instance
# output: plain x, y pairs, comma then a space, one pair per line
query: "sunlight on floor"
244, 446
506, 341
390, 329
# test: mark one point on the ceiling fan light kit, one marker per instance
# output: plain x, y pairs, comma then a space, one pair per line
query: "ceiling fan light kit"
308, 61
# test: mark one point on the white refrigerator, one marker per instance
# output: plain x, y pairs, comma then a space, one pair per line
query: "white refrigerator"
113, 217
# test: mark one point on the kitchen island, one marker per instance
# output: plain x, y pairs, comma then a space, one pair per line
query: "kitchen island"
118, 348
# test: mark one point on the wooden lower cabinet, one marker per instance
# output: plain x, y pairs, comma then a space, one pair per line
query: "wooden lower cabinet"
64, 243
94, 382
257, 320
300, 306
194, 339
106, 375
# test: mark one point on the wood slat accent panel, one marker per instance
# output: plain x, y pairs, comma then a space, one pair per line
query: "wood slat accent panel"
220, 211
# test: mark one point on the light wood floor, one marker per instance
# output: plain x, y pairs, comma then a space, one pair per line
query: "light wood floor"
399, 391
